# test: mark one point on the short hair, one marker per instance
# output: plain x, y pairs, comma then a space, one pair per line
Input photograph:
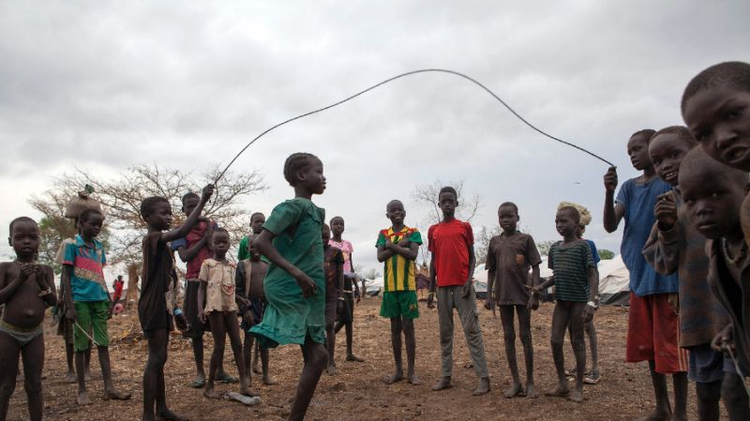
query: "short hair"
698, 161
21, 220
219, 229
681, 131
256, 214
86, 214
326, 226
296, 162
393, 201
732, 74
647, 133
448, 189
572, 210
509, 205
149, 203
337, 217
189, 195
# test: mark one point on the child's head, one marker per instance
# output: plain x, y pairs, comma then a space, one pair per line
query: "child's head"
305, 170
716, 109
190, 201
220, 241
667, 149
157, 212
448, 201
638, 149
326, 235
23, 236
507, 216
254, 254
567, 221
584, 216
712, 194
394, 211
90, 223
337, 226
256, 222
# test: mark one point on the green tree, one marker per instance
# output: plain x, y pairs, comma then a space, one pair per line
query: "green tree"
605, 254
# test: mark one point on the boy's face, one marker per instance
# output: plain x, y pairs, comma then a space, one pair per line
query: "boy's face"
395, 212
638, 152
91, 227
666, 152
448, 203
507, 218
220, 242
712, 201
160, 217
25, 238
566, 223
189, 204
719, 119
337, 226
326, 234
311, 178
256, 223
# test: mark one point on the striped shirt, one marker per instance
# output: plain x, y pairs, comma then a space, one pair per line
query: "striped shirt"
571, 266
87, 281
399, 273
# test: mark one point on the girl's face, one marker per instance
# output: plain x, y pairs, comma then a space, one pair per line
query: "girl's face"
337, 226
666, 152
566, 223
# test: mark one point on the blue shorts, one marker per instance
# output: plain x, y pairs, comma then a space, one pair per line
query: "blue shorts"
706, 365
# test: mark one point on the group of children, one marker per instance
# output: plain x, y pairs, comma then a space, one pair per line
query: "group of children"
683, 244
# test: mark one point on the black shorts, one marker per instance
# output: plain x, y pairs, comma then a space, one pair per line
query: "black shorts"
196, 328
346, 315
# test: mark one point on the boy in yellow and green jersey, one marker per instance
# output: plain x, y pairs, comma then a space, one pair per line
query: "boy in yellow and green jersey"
397, 248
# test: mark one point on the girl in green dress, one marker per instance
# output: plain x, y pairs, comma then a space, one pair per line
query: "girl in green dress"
295, 282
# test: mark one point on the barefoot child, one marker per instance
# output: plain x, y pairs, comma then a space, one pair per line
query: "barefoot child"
397, 248
451, 243
217, 283
295, 283
87, 301
346, 318
333, 259
26, 290
509, 258
257, 220
675, 246
653, 327
160, 298
576, 288
251, 301
712, 194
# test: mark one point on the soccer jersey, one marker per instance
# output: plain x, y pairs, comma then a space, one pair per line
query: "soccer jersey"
87, 281
399, 273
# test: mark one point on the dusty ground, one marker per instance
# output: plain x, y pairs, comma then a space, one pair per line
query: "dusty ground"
358, 393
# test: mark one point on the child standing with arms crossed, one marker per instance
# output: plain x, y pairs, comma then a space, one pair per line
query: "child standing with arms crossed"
451, 243
295, 283
576, 289
160, 298
26, 290
397, 248
334, 271
347, 319
509, 258
653, 327
217, 291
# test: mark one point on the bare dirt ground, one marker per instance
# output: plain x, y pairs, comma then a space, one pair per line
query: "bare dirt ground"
357, 392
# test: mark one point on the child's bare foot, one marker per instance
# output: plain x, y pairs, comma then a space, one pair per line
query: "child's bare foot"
332, 370
83, 399
413, 379
561, 391
483, 387
352, 357
70, 377
225, 378
247, 392
256, 367
514, 390
87, 375
115, 395
211, 393
443, 383
531, 391
576, 396
168, 415
268, 381
658, 415
394, 378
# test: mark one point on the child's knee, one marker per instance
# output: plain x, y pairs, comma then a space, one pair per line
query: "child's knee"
7, 386
509, 335
556, 342
525, 336
33, 386
319, 357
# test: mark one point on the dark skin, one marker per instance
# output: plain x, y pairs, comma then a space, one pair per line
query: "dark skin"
69, 351
21, 283
89, 229
508, 219
309, 180
337, 228
396, 213
448, 203
222, 323
256, 226
568, 313
330, 327
154, 393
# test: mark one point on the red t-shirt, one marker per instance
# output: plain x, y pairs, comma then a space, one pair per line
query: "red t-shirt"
449, 244
194, 236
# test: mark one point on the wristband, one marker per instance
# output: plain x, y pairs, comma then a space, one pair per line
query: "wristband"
177, 311
592, 304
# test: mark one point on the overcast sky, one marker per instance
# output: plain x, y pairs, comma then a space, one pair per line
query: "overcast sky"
107, 85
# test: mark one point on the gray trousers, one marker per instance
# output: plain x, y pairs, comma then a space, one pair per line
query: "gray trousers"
449, 298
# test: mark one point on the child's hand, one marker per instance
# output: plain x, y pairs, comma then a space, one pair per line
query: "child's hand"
533, 302
201, 316
306, 284
247, 316
181, 322
610, 179
674, 301
70, 313
431, 300
466, 289
489, 303
665, 211
208, 191
27, 271
588, 313
724, 340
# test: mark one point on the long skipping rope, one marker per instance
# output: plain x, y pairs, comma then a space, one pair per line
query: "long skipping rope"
413, 72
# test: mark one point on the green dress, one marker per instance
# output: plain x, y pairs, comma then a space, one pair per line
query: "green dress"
289, 316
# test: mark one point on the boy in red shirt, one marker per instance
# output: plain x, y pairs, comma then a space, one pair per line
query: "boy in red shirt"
451, 243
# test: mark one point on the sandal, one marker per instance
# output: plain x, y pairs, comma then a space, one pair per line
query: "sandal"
226, 379
592, 377
197, 384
